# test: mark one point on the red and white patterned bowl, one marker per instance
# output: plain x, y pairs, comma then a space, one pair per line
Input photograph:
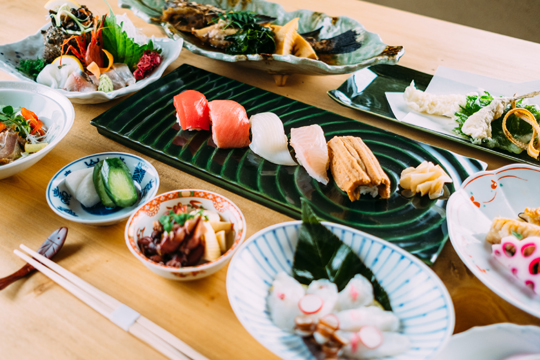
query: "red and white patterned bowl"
140, 225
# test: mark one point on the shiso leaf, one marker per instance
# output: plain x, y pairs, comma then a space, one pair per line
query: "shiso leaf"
322, 255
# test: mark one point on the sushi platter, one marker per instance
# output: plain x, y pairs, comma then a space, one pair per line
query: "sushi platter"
421, 228
228, 208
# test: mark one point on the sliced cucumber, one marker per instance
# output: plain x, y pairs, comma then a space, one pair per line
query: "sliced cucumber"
118, 182
100, 186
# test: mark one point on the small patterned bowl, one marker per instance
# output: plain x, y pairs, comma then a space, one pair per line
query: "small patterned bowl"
140, 225
64, 204
417, 295
483, 196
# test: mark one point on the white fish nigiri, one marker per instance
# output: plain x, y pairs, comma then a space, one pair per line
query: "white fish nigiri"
283, 301
392, 344
269, 140
309, 144
358, 292
327, 291
355, 319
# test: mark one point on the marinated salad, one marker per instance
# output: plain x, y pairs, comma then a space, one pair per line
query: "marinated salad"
86, 52
21, 133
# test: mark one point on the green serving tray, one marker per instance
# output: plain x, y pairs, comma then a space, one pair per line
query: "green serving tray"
365, 91
146, 122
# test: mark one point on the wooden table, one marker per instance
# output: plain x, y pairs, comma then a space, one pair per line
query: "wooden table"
41, 320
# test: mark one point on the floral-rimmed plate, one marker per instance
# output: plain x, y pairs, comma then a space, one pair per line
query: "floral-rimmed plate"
417, 295
64, 204
373, 50
504, 192
32, 47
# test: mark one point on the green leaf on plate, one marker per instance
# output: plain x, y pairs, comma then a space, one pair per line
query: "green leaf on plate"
322, 255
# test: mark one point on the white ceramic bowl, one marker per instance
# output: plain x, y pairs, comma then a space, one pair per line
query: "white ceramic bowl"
32, 46
65, 205
417, 295
51, 107
494, 342
483, 196
140, 225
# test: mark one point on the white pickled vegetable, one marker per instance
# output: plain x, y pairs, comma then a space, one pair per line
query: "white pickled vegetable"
73, 180
211, 247
86, 192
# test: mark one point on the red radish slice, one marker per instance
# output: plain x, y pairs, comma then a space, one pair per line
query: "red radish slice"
310, 304
370, 336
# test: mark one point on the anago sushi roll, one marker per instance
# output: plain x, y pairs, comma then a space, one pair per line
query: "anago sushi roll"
192, 111
311, 151
269, 140
230, 124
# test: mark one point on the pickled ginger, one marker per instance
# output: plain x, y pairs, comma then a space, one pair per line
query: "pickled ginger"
269, 140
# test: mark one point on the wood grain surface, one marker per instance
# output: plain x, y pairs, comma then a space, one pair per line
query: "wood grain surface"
39, 320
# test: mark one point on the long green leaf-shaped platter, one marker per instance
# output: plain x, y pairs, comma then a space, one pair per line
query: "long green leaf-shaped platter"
146, 123
373, 50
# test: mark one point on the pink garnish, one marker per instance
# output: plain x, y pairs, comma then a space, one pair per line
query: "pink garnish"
370, 336
354, 342
354, 293
280, 295
310, 304
522, 259
147, 63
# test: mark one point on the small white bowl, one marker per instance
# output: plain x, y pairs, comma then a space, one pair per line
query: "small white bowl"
417, 295
65, 205
51, 107
140, 224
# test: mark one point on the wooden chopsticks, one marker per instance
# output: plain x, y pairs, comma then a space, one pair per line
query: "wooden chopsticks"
123, 316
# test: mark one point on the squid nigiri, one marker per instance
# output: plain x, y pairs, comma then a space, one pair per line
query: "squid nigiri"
192, 111
309, 144
230, 124
283, 301
269, 140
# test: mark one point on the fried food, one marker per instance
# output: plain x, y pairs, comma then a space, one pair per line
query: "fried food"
502, 227
355, 169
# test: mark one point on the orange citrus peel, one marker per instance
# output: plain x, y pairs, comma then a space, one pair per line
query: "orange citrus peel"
529, 118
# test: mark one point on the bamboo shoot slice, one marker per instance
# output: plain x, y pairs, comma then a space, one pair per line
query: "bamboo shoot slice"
222, 241
221, 225
211, 247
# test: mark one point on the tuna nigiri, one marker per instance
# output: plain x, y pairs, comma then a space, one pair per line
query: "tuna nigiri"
230, 124
269, 140
192, 110
311, 151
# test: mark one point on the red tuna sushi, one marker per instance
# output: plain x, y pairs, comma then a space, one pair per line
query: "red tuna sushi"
192, 110
230, 124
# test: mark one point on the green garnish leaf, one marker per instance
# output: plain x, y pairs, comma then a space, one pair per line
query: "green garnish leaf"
31, 67
251, 39
122, 48
322, 255
168, 221
517, 235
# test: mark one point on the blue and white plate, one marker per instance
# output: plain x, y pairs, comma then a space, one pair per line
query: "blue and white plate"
417, 295
64, 204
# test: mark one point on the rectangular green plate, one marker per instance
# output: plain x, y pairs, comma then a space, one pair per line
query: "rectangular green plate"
365, 91
146, 122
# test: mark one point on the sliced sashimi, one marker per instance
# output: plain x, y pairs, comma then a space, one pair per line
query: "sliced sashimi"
311, 151
192, 111
269, 140
230, 124
79, 81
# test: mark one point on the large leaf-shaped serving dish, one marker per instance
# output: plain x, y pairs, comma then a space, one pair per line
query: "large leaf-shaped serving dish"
146, 123
373, 50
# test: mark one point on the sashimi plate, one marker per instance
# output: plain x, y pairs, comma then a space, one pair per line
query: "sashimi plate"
418, 297
32, 47
147, 121
504, 192
373, 50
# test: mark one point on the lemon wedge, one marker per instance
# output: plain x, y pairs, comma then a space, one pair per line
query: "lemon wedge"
68, 60
32, 148
55, 4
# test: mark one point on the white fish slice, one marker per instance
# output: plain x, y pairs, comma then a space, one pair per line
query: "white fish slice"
269, 140
311, 151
